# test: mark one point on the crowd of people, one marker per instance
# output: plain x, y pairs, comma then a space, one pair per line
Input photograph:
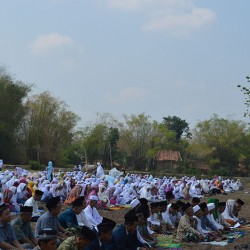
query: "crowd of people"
166, 205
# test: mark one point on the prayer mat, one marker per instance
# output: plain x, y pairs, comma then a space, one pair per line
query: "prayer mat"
216, 243
166, 242
115, 208
234, 235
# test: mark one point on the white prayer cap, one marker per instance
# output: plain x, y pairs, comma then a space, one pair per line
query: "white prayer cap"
134, 203
93, 198
196, 208
210, 206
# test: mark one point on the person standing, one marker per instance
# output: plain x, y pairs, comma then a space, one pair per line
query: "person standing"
50, 170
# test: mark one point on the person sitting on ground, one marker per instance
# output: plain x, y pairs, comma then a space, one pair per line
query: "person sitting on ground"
22, 228
46, 192
164, 226
8, 238
104, 236
170, 215
144, 233
50, 219
221, 219
195, 201
180, 212
92, 217
125, 235
210, 216
33, 202
103, 197
198, 215
80, 241
46, 240
205, 223
237, 208
187, 228
228, 213
153, 222
68, 218
22, 193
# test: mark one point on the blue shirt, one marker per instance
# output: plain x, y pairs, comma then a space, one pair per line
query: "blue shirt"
68, 219
7, 234
45, 221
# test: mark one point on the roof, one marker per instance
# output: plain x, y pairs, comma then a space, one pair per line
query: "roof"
168, 155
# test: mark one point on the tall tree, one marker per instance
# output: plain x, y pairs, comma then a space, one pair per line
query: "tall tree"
221, 142
12, 111
177, 125
246, 92
48, 128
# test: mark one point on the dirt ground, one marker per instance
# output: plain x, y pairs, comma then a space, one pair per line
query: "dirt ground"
244, 213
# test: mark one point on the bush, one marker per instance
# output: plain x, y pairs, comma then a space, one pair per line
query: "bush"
34, 165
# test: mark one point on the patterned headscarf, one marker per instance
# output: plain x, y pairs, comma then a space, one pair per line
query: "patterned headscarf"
7, 195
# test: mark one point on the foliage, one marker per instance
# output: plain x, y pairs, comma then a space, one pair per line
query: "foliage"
141, 139
12, 111
48, 128
34, 165
221, 143
98, 142
177, 125
246, 92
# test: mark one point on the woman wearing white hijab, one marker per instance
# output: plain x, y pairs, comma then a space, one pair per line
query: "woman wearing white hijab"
228, 213
46, 193
22, 193
146, 193
103, 197
14, 198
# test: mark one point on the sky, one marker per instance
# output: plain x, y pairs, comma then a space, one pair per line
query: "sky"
180, 58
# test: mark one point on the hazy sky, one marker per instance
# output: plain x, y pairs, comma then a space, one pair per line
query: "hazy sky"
160, 57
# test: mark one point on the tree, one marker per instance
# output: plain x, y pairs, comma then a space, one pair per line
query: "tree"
48, 128
141, 139
135, 133
177, 125
12, 112
222, 143
100, 143
246, 92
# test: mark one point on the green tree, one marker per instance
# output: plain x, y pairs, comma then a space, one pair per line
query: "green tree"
135, 133
177, 125
12, 112
246, 92
141, 139
100, 143
48, 128
222, 143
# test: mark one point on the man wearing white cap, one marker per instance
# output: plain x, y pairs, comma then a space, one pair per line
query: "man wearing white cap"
198, 214
211, 208
135, 203
92, 217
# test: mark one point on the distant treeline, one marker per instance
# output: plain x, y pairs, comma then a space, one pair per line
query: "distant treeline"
37, 128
